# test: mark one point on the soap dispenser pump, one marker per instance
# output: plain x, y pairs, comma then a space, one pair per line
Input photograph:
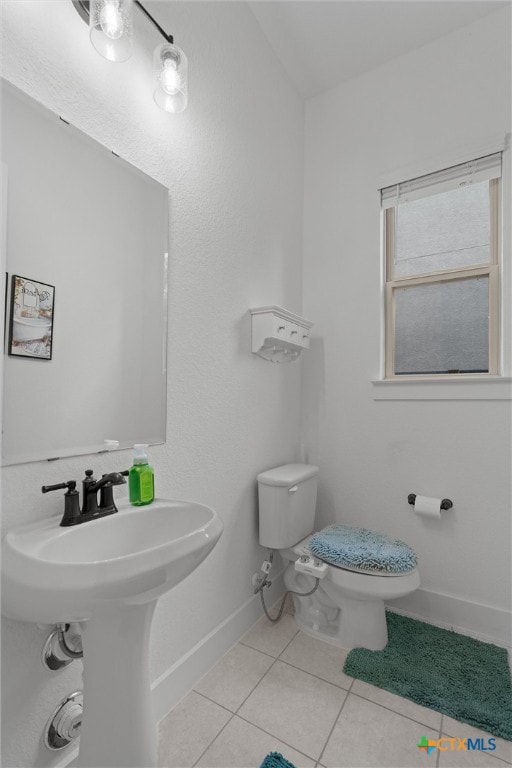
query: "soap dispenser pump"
141, 480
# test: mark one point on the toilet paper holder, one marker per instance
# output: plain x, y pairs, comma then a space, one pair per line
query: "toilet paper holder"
445, 504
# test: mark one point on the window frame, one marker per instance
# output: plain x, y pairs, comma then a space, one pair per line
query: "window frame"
490, 269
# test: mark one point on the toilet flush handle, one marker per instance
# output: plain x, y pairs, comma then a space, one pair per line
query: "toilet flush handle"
293, 489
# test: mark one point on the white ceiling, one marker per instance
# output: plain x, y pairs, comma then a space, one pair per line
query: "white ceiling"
321, 43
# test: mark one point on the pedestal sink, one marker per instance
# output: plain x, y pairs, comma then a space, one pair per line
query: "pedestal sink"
108, 574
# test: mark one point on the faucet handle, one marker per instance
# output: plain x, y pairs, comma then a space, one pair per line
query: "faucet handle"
71, 485
71, 505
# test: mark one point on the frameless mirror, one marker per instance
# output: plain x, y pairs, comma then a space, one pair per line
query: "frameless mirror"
86, 313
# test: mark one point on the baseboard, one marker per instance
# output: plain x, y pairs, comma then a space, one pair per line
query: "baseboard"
485, 622
180, 678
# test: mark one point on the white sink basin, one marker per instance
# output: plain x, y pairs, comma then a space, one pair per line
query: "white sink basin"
107, 574
52, 574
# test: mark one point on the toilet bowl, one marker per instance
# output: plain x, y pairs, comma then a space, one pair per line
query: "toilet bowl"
348, 606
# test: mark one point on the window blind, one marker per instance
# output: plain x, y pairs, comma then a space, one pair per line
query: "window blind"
471, 172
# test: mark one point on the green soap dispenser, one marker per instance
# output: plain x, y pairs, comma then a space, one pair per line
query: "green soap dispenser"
141, 480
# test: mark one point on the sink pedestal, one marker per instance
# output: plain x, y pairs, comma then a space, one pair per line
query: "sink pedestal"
118, 728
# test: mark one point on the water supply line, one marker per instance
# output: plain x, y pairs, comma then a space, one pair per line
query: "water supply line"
265, 582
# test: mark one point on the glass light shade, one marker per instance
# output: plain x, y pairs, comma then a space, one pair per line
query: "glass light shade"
170, 67
111, 28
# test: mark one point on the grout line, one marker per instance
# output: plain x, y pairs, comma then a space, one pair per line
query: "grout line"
320, 756
408, 717
215, 737
253, 648
255, 686
212, 701
500, 759
294, 666
323, 679
277, 738
290, 641
438, 756
246, 645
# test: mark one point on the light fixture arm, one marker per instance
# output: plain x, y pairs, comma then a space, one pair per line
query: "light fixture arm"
82, 6
169, 38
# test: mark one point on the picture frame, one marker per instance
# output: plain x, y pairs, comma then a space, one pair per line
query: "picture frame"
31, 318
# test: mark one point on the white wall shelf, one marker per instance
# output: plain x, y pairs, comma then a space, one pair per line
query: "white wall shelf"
278, 335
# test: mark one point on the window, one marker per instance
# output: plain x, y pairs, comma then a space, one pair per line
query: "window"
441, 248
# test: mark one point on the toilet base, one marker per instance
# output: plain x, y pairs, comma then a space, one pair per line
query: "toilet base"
358, 624
346, 621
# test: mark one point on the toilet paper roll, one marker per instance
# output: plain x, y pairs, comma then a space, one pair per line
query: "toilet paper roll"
428, 506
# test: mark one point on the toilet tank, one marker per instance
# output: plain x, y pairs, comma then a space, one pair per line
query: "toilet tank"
287, 504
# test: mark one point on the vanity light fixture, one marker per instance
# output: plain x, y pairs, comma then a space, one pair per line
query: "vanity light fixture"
111, 33
111, 28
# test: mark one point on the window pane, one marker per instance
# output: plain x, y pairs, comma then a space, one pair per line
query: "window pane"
442, 327
444, 231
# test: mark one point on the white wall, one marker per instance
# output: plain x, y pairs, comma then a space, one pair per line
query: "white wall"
234, 165
372, 454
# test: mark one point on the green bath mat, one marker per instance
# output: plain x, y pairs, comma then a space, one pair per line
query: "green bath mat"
276, 760
462, 677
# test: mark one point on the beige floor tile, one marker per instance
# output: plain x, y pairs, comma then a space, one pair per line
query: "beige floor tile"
318, 658
367, 735
398, 704
295, 707
242, 745
455, 728
188, 729
271, 638
232, 679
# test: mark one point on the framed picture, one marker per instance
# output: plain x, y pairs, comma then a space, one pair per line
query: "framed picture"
31, 318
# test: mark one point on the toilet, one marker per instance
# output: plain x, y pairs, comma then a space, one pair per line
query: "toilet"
347, 608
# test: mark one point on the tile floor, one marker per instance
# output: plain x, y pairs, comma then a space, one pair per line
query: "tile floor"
281, 690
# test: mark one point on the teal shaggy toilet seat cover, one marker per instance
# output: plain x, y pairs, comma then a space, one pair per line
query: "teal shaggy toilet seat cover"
359, 549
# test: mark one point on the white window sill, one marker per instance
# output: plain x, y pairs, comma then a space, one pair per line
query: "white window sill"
467, 388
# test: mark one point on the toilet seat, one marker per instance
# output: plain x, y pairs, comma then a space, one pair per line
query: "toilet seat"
370, 585
363, 550
302, 548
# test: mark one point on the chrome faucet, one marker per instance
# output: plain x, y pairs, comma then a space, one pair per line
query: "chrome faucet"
90, 508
